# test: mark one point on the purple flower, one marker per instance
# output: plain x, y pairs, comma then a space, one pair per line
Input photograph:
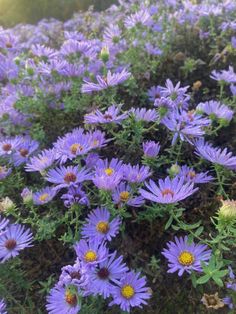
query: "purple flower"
73, 144
233, 42
75, 195
2, 307
232, 283
97, 139
175, 93
130, 292
99, 226
63, 300
185, 257
141, 17
105, 82
24, 150
152, 50
91, 160
215, 155
9, 145
155, 92
214, 108
108, 174
42, 51
112, 34
151, 149
91, 253
111, 115
3, 223
4, 172
76, 275
224, 75
136, 174
106, 274
41, 162
190, 175
228, 301
123, 194
44, 196
142, 114
14, 239
67, 176
185, 125
168, 191
233, 89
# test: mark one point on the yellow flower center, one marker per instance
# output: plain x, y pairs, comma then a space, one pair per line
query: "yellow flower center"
95, 143
90, 256
127, 291
43, 197
102, 226
75, 147
186, 258
109, 171
124, 196
71, 298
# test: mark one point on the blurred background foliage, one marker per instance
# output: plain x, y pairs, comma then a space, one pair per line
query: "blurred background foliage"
13, 12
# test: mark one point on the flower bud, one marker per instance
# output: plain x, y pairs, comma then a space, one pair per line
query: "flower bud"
6, 204
228, 210
105, 54
174, 170
27, 196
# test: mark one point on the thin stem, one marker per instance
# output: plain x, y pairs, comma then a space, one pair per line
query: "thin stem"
220, 181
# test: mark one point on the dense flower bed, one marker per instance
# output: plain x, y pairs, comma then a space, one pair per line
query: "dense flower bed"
118, 161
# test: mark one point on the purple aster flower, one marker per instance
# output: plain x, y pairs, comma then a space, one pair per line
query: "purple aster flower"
136, 174
155, 92
67, 176
185, 125
112, 34
91, 160
43, 51
4, 172
105, 82
111, 115
27, 195
41, 162
91, 253
75, 195
99, 226
108, 174
130, 292
63, 300
175, 93
2, 307
232, 283
185, 257
215, 109
123, 194
142, 114
224, 75
9, 145
72, 46
3, 223
228, 301
233, 89
76, 275
24, 150
44, 196
106, 274
141, 17
97, 139
14, 239
152, 50
73, 144
215, 155
233, 42
191, 175
151, 149
168, 191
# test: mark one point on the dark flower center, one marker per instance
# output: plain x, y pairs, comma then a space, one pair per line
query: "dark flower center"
10, 244
75, 275
212, 300
70, 177
8, 45
107, 116
24, 152
157, 96
6, 147
103, 273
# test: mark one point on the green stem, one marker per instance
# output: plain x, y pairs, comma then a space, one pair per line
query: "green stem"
220, 181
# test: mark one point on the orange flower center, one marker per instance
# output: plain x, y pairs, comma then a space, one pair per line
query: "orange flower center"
124, 196
70, 177
167, 191
102, 227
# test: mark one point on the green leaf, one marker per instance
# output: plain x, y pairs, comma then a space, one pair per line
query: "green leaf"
218, 281
169, 222
203, 279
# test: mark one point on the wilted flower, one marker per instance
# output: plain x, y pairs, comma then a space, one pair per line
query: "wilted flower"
212, 301
6, 204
